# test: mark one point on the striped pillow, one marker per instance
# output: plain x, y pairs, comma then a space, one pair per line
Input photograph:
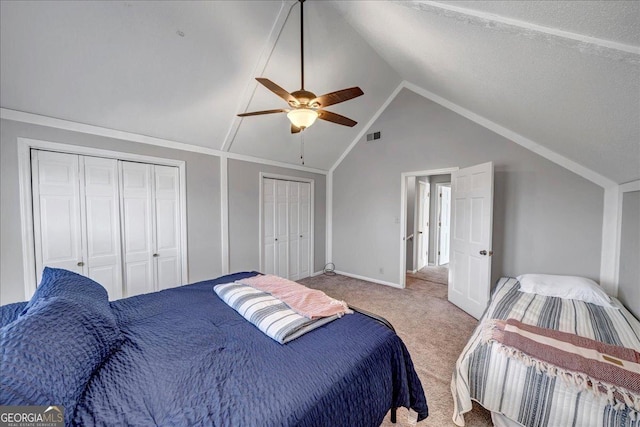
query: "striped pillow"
273, 317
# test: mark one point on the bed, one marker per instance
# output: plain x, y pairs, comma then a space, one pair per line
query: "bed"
523, 390
183, 357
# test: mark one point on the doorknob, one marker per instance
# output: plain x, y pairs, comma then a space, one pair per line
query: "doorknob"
483, 252
80, 264
156, 255
419, 232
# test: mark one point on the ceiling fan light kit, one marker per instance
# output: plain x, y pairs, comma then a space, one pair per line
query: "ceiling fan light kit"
305, 106
302, 117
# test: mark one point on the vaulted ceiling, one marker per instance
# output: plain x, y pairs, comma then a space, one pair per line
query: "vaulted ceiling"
563, 75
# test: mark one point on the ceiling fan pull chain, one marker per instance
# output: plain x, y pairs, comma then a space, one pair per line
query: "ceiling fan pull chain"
302, 147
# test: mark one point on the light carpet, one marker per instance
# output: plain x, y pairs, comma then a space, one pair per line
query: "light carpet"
434, 331
432, 273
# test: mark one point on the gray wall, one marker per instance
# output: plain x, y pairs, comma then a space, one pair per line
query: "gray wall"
433, 215
546, 219
244, 191
203, 201
629, 280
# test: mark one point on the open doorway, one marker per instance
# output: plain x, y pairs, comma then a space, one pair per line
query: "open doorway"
427, 224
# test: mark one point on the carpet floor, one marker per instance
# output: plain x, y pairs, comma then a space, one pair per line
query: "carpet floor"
432, 273
434, 331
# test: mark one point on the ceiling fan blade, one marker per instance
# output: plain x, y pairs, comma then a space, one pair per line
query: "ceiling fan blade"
295, 129
258, 113
278, 90
336, 118
337, 96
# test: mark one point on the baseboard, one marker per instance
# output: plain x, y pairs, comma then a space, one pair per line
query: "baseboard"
412, 271
369, 279
317, 273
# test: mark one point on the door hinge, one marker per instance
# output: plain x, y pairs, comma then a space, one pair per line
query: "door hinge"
440, 195
438, 252
439, 224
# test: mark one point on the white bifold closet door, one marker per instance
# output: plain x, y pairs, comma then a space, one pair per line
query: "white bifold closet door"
117, 222
151, 232
76, 216
286, 220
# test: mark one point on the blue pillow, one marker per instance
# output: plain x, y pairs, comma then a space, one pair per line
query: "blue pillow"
60, 282
49, 353
10, 312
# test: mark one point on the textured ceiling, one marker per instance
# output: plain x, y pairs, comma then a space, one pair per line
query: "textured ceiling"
580, 100
564, 74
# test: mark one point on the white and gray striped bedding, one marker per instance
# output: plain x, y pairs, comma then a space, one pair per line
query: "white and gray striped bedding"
267, 313
505, 385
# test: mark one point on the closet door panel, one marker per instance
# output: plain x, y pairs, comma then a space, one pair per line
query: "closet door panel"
294, 229
137, 227
304, 231
269, 226
282, 234
102, 207
167, 222
56, 204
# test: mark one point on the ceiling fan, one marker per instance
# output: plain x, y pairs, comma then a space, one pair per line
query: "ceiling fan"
306, 107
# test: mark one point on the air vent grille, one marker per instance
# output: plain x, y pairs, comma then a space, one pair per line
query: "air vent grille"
373, 136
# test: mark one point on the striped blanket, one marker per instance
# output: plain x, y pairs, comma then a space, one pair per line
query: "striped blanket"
521, 388
267, 313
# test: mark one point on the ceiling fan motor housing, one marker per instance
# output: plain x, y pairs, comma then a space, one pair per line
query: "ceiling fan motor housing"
303, 97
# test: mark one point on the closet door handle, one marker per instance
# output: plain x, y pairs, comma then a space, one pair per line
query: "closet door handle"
156, 255
80, 264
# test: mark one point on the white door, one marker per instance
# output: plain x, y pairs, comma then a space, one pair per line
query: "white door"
138, 227
101, 219
286, 228
304, 230
471, 231
56, 211
423, 224
282, 229
269, 226
167, 251
444, 236
76, 216
294, 230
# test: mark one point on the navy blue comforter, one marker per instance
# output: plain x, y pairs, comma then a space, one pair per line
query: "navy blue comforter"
186, 358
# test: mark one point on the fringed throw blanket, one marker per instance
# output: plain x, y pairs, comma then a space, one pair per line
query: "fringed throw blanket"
310, 303
591, 365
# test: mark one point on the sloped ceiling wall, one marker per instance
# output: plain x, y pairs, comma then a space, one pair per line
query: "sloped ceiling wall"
563, 74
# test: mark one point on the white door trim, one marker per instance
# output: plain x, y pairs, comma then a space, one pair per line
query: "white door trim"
26, 203
312, 233
403, 213
618, 196
438, 213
